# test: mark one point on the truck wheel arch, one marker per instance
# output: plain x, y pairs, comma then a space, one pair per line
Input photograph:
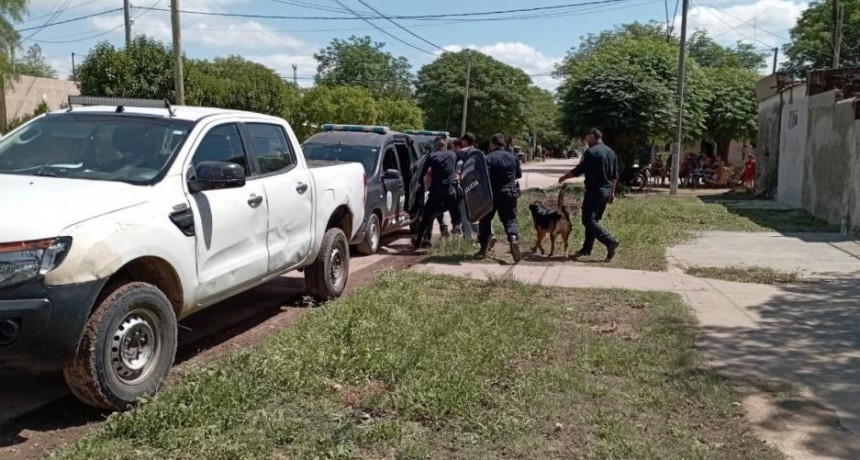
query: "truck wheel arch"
152, 270
341, 218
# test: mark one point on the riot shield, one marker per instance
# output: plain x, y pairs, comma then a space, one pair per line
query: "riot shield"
416, 188
475, 180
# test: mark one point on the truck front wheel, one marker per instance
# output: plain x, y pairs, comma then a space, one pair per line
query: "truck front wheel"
127, 349
326, 278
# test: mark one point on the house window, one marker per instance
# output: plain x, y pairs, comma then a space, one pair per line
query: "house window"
792, 119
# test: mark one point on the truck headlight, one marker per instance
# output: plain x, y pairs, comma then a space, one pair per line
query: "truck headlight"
26, 260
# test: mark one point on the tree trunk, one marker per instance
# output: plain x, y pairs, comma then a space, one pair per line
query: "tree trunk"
723, 146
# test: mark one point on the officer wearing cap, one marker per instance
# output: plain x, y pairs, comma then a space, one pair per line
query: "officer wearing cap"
600, 167
504, 170
445, 192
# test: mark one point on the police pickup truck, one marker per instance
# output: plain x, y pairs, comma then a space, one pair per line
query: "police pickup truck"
389, 162
120, 217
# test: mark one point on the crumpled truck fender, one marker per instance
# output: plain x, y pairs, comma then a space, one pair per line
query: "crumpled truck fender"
103, 245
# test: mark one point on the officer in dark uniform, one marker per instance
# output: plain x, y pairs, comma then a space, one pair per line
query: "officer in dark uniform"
600, 167
504, 170
445, 192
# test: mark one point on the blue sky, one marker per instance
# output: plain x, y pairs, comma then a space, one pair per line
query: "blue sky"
533, 41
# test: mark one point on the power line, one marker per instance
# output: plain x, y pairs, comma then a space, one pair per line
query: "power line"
36, 18
79, 18
383, 30
357, 16
401, 27
100, 34
707, 5
60, 10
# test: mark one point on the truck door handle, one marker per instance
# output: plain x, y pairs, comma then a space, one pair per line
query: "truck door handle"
302, 188
255, 201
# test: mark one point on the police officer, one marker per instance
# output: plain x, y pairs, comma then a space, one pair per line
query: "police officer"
445, 192
504, 170
600, 167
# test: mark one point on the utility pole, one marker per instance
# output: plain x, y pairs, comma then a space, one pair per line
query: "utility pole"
682, 57
775, 56
126, 6
836, 32
295, 75
179, 82
74, 69
466, 97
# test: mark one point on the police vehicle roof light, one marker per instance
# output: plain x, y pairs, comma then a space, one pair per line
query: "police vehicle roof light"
427, 133
356, 128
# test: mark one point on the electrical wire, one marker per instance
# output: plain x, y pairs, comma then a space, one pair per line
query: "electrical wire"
383, 30
401, 27
79, 18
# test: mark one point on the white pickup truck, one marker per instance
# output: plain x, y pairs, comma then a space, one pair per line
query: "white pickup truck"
120, 217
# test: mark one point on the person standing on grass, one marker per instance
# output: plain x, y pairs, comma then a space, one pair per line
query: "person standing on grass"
504, 169
445, 192
599, 164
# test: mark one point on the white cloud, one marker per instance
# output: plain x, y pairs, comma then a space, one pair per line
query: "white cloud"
764, 23
283, 64
224, 34
522, 56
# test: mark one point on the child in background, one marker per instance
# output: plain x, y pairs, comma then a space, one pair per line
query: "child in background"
749, 172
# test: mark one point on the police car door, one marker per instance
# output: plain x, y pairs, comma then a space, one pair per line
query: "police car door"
394, 189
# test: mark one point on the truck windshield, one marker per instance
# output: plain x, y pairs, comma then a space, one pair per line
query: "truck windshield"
121, 148
367, 156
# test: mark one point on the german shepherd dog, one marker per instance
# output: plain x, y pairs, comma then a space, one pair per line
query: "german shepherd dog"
552, 222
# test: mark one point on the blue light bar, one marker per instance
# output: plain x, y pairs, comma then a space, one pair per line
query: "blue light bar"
416, 132
357, 128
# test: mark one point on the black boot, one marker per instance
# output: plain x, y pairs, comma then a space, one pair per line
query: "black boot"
482, 252
515, 248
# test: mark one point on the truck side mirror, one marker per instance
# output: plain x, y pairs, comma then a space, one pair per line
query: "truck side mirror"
216, 175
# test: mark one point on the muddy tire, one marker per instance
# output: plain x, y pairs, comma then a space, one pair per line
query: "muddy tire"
374, 235
127, 349
326, 278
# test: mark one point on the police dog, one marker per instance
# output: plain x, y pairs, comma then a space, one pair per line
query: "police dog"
552, 222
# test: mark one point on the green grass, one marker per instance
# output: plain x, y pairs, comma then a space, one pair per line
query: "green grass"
756, 275
647, 225
420, 367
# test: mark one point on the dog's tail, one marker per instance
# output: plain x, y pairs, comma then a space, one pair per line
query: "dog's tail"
561, 207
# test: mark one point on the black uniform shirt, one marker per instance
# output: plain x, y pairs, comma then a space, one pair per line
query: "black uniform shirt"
444, 164
504, 169
600, 166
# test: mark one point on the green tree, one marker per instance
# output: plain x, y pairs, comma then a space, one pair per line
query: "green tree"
592, 42
11, 11
237, 83
336, 104
626, 88
811, 46
33, 63
142, 70
359, 61
707, 53
498, 94
544, 117
732, 111
400, 114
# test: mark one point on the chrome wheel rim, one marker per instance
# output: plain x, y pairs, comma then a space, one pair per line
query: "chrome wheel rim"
135, 346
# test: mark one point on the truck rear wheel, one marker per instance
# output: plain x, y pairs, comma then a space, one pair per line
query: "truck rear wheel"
128, 347
374, 234
326, 278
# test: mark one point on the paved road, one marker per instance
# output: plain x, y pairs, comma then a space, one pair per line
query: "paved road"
546, 173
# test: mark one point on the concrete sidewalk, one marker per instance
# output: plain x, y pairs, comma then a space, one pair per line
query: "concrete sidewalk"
807, 335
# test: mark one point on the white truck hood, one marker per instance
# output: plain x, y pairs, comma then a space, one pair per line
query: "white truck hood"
34, 207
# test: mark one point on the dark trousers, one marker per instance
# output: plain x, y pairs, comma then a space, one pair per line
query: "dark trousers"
440, 200
504, 203
593, 206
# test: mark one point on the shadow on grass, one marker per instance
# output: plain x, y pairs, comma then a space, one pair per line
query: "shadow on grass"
770, 214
